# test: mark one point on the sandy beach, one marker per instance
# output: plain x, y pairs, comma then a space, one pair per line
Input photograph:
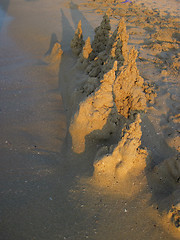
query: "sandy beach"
89, 120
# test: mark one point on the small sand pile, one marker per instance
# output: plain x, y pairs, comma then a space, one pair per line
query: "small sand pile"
77, 42
55, 54
94, 114
125, 159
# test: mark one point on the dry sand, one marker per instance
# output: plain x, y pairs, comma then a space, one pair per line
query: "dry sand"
89, 154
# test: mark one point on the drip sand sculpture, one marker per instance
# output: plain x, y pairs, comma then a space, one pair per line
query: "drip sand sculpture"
106, 51
84, 55
114, 91
128, 88
121, 89
101, 37
77, 42
93, 114
126, 158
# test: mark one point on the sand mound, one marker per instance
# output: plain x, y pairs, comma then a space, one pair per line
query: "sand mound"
125, 159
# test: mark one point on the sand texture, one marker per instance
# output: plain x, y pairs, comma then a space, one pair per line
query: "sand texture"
89, 119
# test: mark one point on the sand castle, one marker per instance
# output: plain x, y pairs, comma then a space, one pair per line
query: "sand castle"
121, 89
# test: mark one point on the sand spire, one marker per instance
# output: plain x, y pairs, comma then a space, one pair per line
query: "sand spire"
101, 37
77, 42
129, 88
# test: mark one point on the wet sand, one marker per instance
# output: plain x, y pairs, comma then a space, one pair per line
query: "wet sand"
45, 188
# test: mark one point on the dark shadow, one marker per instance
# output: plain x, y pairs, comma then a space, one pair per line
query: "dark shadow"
3, 10
170, 121
168, 56
155, 143
82, 163
67, 32
53, 40
87, 29
161, 187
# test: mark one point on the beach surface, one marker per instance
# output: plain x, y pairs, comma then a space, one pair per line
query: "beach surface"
49, 183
